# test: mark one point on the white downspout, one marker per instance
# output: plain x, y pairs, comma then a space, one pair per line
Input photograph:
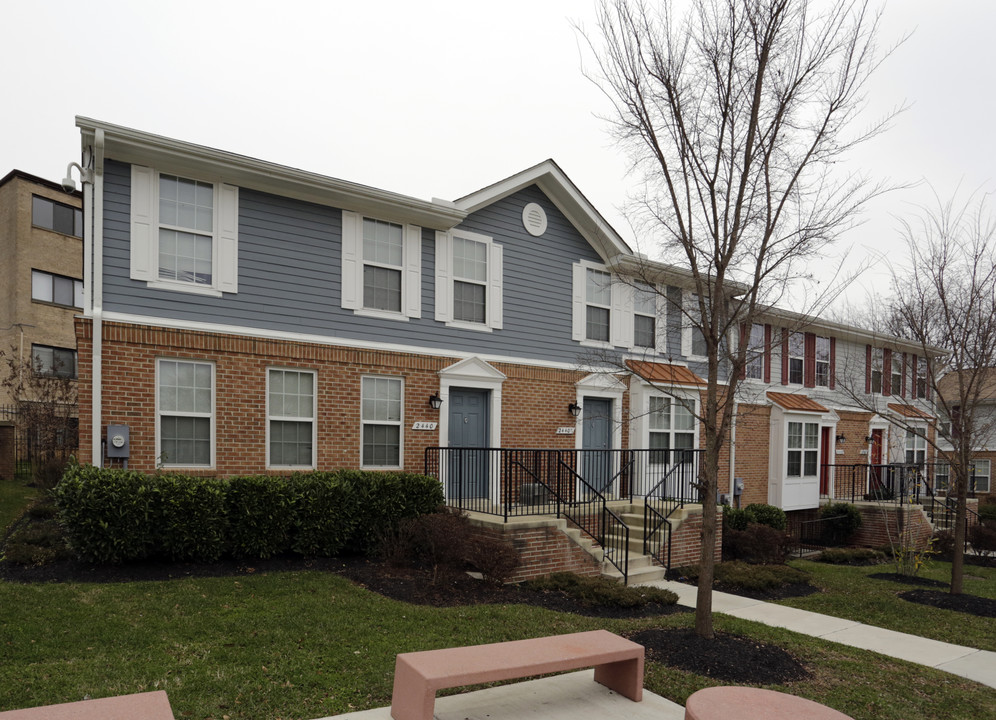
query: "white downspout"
96, 205
733, 450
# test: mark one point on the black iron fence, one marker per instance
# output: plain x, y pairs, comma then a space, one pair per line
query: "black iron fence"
28, 446
574, 484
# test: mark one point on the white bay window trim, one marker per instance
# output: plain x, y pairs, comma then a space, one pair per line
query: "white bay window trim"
352, 269
445, 279
144, 251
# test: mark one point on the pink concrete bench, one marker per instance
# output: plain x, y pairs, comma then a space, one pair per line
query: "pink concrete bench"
618, 664
746, 703
141, 706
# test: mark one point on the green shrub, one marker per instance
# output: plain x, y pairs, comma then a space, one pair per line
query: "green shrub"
982, 538
773, 517
987, 514
601, 592
326, 513
852, 556
736, 518
109, 515
757, 544
842, 521
744, 576
260, 511
943, 542
383, 499
193, 518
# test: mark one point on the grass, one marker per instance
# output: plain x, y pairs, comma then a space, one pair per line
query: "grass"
849, 593
14, 497
308, 644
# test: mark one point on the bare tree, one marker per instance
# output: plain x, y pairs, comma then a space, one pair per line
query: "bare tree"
947, 299
735, 115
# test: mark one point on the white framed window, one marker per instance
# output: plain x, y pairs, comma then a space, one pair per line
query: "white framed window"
876, 371
381, 267
796, 358
756, 348
916, 445
942, 476
185, 424
290, 418
671, 423
468, 280
602, 307
822, 361
598, 305
184, 232
692, 340
381, 410
980, 476
647, 319
53, 361
803, 449
897, 373
921, 378
56, 289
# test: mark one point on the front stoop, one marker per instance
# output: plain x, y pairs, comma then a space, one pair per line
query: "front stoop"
642, 568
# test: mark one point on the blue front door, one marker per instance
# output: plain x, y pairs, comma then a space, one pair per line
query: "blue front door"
469, 433
596, 443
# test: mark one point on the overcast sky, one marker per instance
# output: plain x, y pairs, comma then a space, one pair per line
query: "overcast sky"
438, 99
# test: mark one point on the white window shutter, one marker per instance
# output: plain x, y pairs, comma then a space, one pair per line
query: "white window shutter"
444, 277
495, 287
228, 239
413, 271
578, 291
621, 315
143, 231
352, 268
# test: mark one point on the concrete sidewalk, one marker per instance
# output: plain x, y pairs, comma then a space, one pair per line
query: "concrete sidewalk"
977, 665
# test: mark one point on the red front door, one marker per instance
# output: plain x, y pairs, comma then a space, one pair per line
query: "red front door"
826, 459
876, 460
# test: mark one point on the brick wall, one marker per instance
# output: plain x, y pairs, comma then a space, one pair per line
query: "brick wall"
686, 541
880, 522
753, 437
543, 549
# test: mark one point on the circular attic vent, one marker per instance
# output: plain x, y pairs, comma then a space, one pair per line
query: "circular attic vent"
534, 219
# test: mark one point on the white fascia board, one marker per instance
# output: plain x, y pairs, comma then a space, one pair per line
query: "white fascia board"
565, 195
134, 146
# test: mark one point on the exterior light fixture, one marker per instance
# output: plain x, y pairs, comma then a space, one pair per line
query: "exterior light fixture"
574, 409
840, 438
435, 402
868, 439
68, 184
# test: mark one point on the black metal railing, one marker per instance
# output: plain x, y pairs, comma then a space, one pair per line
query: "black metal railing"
898, 482
677, 486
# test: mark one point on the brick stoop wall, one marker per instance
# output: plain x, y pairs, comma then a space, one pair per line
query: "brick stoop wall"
543, 546
879, 523
687, 540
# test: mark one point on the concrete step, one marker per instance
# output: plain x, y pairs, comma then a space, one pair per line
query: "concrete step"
641, 569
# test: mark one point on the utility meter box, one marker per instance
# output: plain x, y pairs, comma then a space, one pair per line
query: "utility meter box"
117, 441
738, 486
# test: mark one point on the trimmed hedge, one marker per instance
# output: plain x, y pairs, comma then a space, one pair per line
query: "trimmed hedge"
759, 513
112, 516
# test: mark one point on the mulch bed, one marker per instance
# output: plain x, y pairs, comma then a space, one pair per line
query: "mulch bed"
786, 591
731, 658
972, 604
909, 580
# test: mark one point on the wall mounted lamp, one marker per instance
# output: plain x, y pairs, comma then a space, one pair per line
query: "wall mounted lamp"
868, 439
840, 438
574, 409
435, 402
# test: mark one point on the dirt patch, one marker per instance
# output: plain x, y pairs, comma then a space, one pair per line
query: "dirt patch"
731, 658
971, 604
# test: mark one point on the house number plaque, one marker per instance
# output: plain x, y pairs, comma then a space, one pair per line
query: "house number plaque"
565, 430
424, 426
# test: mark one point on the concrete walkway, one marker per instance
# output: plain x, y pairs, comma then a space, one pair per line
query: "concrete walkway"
977, 665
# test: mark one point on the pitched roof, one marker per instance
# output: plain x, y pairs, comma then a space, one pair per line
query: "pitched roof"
909, 411
664, 373
792, 401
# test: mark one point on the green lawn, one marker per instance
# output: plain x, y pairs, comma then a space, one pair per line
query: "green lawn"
308, 644
14, 496
850, 593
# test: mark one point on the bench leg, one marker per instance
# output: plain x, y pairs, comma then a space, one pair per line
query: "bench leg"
412, 698
625, 677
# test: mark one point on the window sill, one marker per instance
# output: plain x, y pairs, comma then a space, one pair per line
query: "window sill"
55, 304
382, 314
184, 288
463, 325
386, 468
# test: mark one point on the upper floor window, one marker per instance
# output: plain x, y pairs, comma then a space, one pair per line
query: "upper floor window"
53, 361
876, 370
897, 374
185, 413
921, 378
598, 305
57, 289
692, 336
468, 280
184, 232
290, 411
381, 267
644, 316
803, 449
755, 352
50, 215
822, 361
796, 358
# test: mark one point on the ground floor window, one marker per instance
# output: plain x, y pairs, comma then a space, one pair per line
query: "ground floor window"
381, 421
980, 476
916, 446
672, 427
942, 476
803, 449
185, 402
290, 409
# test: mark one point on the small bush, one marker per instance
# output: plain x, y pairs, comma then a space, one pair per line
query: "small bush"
601, 592
193, 518
842, 521
496, 559
735, 518
987, 514
744, 576
382, 500
326, 514
757, 544
260, 510
852, 556
983, 540
769, 515
944, 542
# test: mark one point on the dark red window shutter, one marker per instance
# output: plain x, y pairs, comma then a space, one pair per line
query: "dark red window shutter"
887, 372
905, 361
785, 356
767, 353
809, 361
833, 362
868, 368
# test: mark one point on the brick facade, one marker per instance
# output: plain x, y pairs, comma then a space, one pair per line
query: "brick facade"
880, 525
687, 540
543, 548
